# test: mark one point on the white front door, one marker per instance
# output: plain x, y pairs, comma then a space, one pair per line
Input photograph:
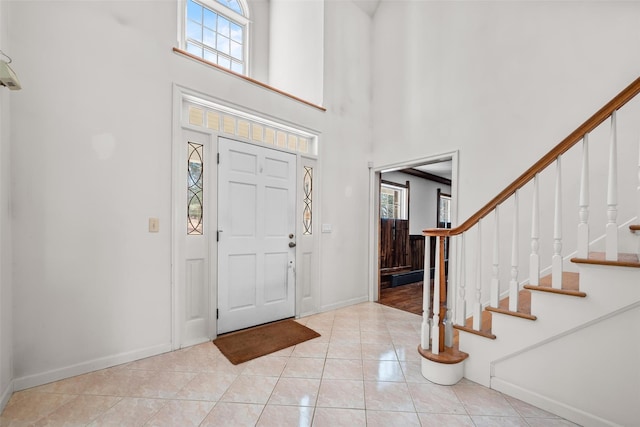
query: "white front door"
256, 229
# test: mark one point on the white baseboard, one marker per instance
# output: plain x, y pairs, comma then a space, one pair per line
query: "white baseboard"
343, 304
89, 366
550, 405
5, 396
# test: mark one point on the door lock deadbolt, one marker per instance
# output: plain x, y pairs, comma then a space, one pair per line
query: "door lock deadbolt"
291, 235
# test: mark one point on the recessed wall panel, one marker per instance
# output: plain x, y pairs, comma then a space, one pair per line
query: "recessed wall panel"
242, 281
243, 162
275, 168
195, 283
276, 221
275, 277
242, 209
306, 276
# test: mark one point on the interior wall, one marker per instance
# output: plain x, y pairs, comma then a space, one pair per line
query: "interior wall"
91, 162
296, 47
259, 39
423, 201
345, 153
503, 82
614, 401
451, 79
6, 314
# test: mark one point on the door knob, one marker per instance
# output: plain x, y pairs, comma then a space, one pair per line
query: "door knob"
292, 244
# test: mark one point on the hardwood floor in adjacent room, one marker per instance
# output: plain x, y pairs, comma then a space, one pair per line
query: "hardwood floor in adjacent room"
406, 297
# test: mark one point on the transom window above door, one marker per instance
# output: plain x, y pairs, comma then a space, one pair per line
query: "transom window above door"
216, 31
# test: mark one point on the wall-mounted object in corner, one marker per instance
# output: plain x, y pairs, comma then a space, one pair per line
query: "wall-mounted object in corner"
7, 77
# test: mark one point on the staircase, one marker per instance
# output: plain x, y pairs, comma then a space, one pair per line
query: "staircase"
565, 337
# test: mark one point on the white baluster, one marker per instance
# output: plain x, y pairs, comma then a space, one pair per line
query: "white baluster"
556, 261
494, 295
514, 287
435, 325
462, 303
611, 244
583, 226
534, 258
477, 305
426, 296
451, 292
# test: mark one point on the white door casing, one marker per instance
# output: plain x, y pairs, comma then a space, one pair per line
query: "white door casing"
192, 122
257, 235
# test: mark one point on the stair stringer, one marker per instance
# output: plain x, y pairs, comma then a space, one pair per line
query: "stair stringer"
608, 289
606, 348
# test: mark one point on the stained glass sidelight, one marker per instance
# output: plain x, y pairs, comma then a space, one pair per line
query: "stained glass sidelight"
307, 188
194, 189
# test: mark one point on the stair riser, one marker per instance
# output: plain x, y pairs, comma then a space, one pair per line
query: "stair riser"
558, 313
610, 283
608, 289
477, 365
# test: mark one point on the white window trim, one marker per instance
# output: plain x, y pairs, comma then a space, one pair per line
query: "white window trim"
222, 10
403, 210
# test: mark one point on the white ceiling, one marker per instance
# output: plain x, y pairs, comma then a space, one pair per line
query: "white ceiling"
441, 169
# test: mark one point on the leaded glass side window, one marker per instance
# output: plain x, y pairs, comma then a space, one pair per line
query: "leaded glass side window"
195, 187
216, 31
307, 212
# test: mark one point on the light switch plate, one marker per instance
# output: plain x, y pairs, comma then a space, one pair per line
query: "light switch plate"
326, 228
154, 225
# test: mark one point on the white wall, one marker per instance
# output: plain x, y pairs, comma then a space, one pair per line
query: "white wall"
613, 393
296, 47
423, 202
91, 162
503, 82
259, 39
345, 153
6, 315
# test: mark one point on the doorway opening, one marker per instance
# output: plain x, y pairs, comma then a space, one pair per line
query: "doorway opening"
409, 199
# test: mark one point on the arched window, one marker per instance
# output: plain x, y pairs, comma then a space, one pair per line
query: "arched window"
216, 31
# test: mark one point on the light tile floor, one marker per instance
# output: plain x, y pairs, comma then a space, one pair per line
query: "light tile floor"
363, 371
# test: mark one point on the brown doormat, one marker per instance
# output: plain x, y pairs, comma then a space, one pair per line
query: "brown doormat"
242, 346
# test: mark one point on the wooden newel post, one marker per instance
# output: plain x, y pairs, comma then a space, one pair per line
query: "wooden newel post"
443, 295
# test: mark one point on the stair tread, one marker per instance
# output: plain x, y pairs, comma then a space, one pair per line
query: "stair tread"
524, 306
524, 311
598, 258
511, 313
485, 326
450, 355
570, 285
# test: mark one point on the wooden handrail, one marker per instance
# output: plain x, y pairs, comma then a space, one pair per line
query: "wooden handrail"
593, 122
